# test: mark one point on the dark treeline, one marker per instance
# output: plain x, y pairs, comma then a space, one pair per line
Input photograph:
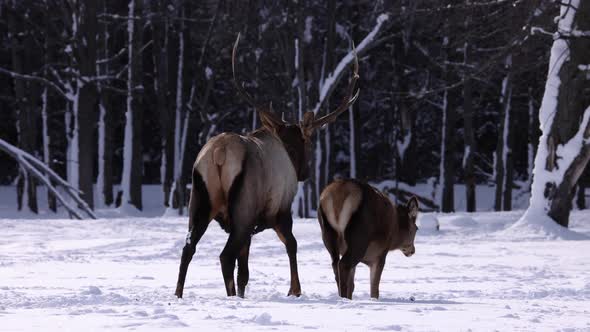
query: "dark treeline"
113, 92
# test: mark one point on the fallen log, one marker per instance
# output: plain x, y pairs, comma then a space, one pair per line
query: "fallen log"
45, 174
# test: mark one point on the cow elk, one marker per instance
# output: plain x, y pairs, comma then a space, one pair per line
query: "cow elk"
360, 224
248, 183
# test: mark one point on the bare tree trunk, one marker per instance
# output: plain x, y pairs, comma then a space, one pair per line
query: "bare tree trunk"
404, 140
301, 102
564, 150
26, 98
447, 171
509, 170
46, 139
133, 164
326, 134
161, 85
448, 184
502, 150
469, 134
180, 123
51, 201
532, 137
104, 180
470, 147
86, 43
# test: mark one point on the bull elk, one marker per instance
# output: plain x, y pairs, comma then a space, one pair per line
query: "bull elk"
248, 182
360, 224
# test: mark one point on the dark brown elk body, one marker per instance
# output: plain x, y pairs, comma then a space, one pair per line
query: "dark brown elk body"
360, 224
247, 183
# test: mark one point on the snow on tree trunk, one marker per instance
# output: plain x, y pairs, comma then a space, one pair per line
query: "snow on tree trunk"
73, 140
132, 157
160, 38
180, 126
502, 148
530, 147
328, 84
128, 140
469, 134
46, 141
100, 201
564, 145
85, 61
103, 189
446, 182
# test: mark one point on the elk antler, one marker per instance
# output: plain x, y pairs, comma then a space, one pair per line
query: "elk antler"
239, 87
348, 99
267, 116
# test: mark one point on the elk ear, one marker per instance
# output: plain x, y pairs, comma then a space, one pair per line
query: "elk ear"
270, 120
412, 207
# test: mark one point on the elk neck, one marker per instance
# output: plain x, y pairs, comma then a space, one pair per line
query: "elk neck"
290, 142
400, 229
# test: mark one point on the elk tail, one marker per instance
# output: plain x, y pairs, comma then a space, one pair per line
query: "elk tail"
219, 155
323, 219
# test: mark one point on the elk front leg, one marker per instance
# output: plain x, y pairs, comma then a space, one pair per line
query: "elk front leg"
192, 238
376, 271
243, 271
285, 232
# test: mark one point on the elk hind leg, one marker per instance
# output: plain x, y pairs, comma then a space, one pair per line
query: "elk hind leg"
237, 240
243, 271
330, 238
357, 243
242, 219
199, 209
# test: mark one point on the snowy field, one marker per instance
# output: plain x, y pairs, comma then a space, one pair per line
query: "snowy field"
120, 274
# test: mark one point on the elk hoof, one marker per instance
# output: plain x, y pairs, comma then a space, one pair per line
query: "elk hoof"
296, 292
178, 293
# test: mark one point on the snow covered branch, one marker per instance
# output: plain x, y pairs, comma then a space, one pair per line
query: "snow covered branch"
36, 168
329, 84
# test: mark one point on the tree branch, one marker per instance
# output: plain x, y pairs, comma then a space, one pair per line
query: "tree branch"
34, 79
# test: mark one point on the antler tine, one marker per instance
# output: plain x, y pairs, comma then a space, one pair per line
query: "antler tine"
239, 87
348, 99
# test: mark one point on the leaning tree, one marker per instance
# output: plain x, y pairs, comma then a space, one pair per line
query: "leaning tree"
564, 146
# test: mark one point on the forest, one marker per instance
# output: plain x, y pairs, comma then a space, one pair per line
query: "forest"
113, 95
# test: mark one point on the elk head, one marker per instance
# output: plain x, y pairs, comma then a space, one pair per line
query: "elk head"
407, 220
297, 137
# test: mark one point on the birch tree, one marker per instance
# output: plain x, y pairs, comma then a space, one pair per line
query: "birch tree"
104, 179
132, 155
564, 116
503, 155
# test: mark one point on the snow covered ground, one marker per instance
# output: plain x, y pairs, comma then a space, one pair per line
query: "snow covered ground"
119, 274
